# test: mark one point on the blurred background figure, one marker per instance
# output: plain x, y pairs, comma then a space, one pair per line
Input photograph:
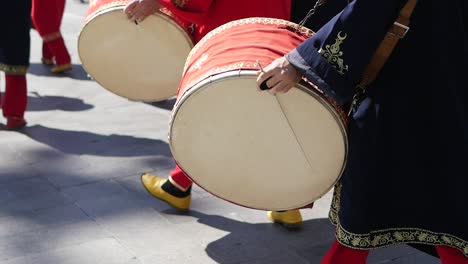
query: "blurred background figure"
47, 18
14, 59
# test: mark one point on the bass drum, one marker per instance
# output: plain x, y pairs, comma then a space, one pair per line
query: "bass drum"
252, 148
141, 62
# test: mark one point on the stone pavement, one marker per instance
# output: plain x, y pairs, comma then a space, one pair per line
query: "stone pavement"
70, 190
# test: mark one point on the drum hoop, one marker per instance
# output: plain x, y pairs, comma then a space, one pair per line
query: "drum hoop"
114, 8
301, 86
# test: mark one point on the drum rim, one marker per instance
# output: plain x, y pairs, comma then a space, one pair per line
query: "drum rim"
243, 73
120, 7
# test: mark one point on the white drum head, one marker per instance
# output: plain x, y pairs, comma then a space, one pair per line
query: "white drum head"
255, 149
141, 62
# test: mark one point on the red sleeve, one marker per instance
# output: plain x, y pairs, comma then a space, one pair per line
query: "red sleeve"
194, 11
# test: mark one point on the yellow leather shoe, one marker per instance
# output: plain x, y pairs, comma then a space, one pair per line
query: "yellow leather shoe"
61, 68
153, 183
289, 219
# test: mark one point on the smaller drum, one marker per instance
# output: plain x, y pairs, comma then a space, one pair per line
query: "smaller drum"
141, 62
251, 148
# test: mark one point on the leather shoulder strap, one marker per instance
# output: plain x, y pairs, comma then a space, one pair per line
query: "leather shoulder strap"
397, 31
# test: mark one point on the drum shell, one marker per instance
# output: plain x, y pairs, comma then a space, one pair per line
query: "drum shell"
247, 52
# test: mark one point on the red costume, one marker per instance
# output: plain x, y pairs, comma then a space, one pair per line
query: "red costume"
47, 18
210, 14
14, 60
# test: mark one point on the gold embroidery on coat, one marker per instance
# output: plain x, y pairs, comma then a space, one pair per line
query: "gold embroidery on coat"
333, 54
14, 69
391, 236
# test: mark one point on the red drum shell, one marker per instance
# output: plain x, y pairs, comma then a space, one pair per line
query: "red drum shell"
239, 45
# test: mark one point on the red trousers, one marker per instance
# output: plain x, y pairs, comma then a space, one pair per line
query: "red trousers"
15, 98
339, 254
47, 18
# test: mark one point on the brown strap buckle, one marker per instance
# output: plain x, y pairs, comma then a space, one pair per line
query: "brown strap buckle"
399, 30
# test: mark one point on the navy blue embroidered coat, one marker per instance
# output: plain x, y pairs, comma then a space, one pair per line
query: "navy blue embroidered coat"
406, 180
15, 25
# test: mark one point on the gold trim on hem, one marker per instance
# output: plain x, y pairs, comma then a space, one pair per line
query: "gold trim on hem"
388, 237
14, 69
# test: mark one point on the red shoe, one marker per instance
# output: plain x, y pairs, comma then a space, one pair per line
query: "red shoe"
15, 123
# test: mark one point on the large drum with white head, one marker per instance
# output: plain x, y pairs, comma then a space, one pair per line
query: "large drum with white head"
252, 148
141, 62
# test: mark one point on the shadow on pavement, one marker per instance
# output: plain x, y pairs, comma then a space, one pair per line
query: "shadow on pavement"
77, 72
267, 242
46, 103
86, 143
38, 217
166, 104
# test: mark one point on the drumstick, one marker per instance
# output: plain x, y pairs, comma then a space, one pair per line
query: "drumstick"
263, 85
260, 65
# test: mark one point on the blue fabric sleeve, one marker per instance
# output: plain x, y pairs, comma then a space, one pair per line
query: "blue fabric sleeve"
335, 57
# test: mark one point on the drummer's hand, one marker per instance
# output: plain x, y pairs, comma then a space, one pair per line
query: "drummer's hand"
138, 10
283, 76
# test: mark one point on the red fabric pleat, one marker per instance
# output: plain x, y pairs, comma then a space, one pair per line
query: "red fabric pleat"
208, 14
450, 255
47, 16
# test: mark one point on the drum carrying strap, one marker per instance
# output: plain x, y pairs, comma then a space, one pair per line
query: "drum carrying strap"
311, 12
396, 32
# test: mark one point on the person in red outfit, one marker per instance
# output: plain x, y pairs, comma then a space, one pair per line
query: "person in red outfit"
47, 18
14, 59
207, 15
